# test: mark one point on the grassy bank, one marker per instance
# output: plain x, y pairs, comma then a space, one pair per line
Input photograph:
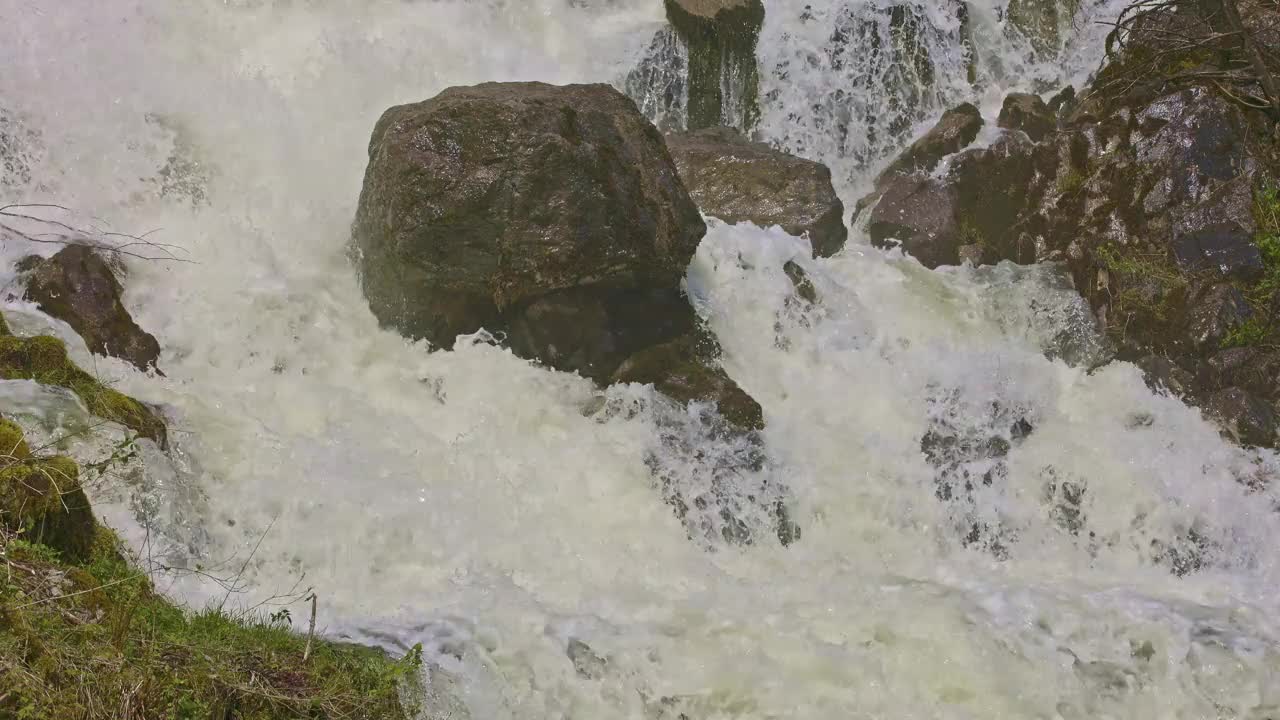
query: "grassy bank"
95, 641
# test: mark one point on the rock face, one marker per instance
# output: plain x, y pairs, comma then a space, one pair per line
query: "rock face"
529, 207
1161, 199
78, 287
721, 39
737, 180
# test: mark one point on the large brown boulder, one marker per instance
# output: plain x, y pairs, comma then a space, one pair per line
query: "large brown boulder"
737, 180
77, 286
526, 206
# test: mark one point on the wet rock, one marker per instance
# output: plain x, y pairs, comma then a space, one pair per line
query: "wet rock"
590, 332
42, 498
1028, 113
737, 180
1062, 102
687, 370
723, 78
958, 128
658, 83
77, 286
1220, 310
1162, 374
919, 213
994, 189
527, 205
1216, 234
1244, 417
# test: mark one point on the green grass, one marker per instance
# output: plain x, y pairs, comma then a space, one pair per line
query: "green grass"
1262, 294
1148, 283
96, 642
90, 639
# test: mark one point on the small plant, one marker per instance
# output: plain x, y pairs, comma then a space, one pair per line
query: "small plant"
1249, 333
1071, 182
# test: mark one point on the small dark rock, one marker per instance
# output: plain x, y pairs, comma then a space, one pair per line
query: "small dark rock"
1244, 417
801, 282
77, 286
737, 180
1028, 113
585, 661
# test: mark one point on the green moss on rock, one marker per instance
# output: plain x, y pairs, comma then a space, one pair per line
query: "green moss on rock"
41, 499
721, 36
44, 360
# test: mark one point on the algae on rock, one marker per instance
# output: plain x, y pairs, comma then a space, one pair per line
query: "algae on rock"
44, 359
721, 36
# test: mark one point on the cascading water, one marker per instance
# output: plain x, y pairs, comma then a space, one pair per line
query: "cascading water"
994, 524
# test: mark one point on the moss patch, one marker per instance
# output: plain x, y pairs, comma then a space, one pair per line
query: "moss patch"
41, 498
1148, 290
1265, 293
44, 360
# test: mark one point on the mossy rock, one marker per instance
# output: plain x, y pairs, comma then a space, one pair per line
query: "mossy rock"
44, 359
41, 498
721, 36
13, 444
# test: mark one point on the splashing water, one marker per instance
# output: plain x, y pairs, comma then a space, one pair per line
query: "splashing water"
995, 524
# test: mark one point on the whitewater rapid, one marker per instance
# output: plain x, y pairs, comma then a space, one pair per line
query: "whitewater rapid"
500, 514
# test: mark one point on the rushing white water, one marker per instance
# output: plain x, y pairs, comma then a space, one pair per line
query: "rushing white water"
987, 532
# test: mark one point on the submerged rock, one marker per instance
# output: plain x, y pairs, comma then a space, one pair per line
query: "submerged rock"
737, 180
723, 79
687, 370
78, 287
530, 207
